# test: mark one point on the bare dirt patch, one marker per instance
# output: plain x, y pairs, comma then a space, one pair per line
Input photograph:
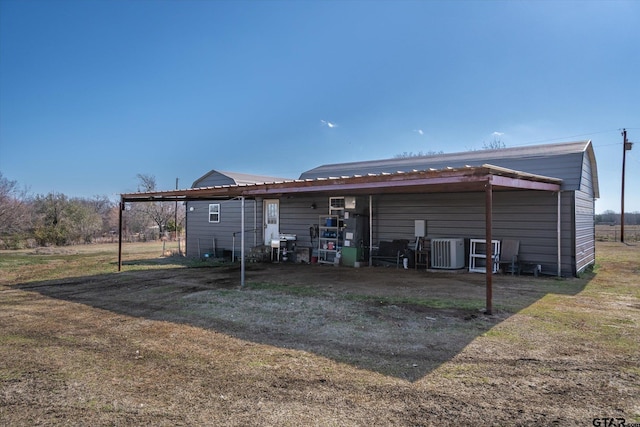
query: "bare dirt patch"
318, 345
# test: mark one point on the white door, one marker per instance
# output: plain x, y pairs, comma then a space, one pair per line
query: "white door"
271, 220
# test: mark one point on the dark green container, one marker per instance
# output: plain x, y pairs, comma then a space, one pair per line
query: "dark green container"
350, 256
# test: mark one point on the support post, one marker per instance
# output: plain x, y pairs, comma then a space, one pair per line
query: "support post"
121, 208
242, 242
488, 239
175, 223
370, 230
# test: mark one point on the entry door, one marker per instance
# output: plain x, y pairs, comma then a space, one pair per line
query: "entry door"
271, 220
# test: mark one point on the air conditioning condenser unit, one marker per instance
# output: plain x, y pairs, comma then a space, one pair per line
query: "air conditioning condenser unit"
447, 253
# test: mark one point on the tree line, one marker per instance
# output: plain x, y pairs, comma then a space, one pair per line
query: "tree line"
56, 219
613, 218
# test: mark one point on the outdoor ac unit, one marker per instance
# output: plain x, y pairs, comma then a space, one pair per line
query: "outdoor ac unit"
447, 253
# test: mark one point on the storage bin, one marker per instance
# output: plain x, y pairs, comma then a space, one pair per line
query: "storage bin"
332, 222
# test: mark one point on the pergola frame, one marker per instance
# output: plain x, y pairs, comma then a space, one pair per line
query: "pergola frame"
485, 178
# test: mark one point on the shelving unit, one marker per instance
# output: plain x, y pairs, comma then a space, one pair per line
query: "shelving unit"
329, 239
478, 255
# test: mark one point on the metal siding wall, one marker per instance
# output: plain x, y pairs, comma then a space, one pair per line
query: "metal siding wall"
586, 178
585, 251
528, 216
585, 231
215, 178
564, 166
568, 235
297, 216
253, 225
199, 227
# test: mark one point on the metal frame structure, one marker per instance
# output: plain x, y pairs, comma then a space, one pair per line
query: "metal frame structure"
486, 178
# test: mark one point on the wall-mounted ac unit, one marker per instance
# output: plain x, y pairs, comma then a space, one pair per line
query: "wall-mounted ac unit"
447, 253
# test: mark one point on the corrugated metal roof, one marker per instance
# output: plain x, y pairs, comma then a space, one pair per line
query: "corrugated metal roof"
238, 178
533, 164
561, 160
447, 180
245, 178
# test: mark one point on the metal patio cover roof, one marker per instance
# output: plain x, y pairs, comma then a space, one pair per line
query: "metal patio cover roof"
466, 179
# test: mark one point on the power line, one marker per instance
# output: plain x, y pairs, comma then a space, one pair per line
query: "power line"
609, 145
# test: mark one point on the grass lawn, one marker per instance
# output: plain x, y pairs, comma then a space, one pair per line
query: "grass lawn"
166, 343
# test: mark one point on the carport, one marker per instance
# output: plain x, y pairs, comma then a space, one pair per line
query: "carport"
485, 179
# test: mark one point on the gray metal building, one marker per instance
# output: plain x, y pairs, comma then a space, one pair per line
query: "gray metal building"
211, 232
555, 228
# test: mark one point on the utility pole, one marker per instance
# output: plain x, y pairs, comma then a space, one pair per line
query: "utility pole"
626, 146
176, 222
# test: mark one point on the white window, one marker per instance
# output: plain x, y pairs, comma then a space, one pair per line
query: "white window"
336, 206
214, 212
272, 213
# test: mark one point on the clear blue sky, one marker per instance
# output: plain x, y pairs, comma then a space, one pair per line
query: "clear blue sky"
94, 92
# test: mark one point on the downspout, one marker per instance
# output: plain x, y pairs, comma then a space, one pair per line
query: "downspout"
489, 244
370, 230
186, 225
559, 234
242, 242
255, 223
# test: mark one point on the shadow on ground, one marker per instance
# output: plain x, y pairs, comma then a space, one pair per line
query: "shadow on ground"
396, 322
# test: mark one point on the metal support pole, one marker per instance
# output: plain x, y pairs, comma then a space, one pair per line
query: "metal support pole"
175, 224
488, 239
559, 234
242, 242
370, 230
121, 208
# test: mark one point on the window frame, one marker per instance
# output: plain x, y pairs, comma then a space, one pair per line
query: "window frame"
212, 213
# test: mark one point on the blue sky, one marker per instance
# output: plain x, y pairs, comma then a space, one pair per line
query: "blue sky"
94, 92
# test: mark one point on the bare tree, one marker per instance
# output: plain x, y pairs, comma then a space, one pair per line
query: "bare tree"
16, 218
15, 215
406, 155
146, 182
158, 212
496, 144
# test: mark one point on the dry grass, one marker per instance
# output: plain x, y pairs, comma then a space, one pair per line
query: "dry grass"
161, 344
612, 233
